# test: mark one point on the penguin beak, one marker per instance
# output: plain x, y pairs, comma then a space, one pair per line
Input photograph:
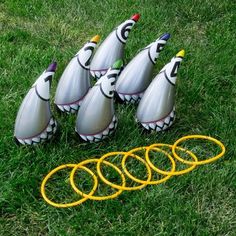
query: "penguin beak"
180, 53
95, 39
52, 67
165, 36
135, 17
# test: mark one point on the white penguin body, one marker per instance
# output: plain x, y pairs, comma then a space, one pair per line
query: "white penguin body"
137, 75
132, 91
75, 80
156, 109
96, 118
99, 66
34, 122
112, 48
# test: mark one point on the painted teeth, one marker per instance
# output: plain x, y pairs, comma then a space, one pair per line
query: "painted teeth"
161, 125
21, 141
74, 106
90, 138
49, 128
135, 97
167, 120
111, 126
152, 126
46, 135
98, 136
51, 121
28, 141
104, 134
130, 98
103, 72
61, 108
145, 126
97, 74
83, 137
69, 108
127, 97
122, 97
92, 73
37, 139
43, 135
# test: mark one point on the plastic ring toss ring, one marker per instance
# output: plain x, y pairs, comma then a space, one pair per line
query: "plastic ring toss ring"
64, 205
98, 198
180, 172
149, 180
123, 164
211, 159
123, 187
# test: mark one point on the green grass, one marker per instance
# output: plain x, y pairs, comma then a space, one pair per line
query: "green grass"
202, 202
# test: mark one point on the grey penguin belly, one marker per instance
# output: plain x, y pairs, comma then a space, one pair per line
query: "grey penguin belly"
112, 48
137, 74
65, 92
95, 107
161, 106
131, 79
107, 53
156, 109
34, 122
28, 116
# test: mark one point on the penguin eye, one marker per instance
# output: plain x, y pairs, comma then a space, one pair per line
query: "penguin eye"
159, 47
47, 78
88, 60
111, 76
125, 31
175, 68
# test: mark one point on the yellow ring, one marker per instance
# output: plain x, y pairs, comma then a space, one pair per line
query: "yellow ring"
64, 205
149, 171
123, 187
211, 159
148, 182
153, 181
180, 172
98, 198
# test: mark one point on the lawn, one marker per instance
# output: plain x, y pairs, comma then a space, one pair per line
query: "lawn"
202, 202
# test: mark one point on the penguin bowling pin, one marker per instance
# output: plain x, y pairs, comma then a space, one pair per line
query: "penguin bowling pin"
96, 117
112, 48
137, 75
156, 110
75, 80
34, 122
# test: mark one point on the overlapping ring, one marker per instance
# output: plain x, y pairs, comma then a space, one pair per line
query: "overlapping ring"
146, 161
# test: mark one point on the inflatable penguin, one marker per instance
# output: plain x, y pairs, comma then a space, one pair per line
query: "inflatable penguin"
156, 110
96, 117
112, 48
75, 80
34, 122
137, 75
